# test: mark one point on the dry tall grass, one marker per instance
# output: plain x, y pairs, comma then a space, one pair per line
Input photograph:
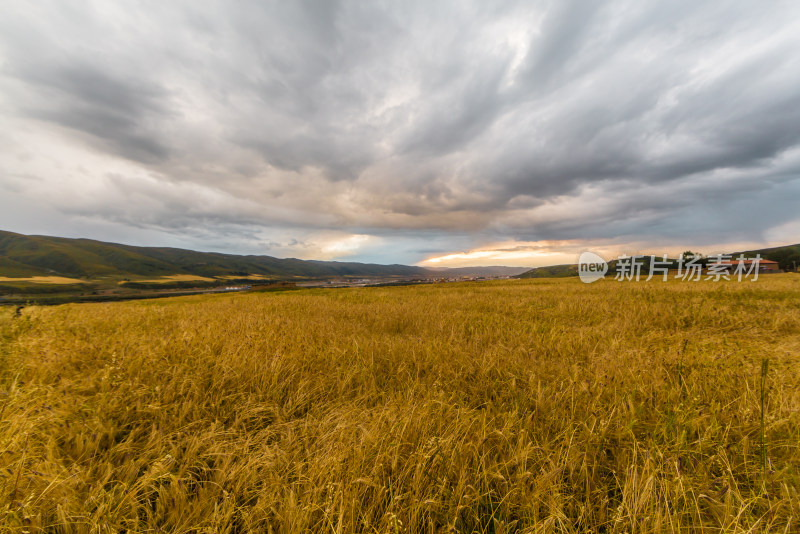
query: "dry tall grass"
520, 406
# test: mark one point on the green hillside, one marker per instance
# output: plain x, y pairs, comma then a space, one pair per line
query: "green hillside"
788, 258
551, 271
82, 258
24, 256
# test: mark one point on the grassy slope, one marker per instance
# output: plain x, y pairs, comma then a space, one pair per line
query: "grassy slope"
15, 269
551, 271
77, 257
518, 406
22, 255
783, 255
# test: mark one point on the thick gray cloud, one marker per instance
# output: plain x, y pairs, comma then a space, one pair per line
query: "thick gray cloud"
392, 130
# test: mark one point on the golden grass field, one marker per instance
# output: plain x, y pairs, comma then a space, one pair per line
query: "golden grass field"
248, 277
496, 407
176, 278
44, 280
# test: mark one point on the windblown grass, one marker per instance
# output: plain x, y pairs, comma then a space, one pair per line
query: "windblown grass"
518, 406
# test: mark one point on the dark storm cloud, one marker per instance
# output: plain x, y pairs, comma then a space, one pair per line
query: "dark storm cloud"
113, 110
544, 120
565, 29
70, 80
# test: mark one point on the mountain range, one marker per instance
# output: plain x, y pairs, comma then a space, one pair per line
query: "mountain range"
34, 255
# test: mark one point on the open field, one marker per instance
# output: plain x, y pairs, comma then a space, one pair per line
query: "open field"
513, 406
176, 278
43, 280
247, 277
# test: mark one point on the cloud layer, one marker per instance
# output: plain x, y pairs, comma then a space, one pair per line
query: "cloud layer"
402, 131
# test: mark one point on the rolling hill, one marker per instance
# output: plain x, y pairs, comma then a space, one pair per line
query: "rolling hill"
787, 256
32, 255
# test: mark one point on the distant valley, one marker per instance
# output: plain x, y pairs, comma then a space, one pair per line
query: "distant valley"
32, 264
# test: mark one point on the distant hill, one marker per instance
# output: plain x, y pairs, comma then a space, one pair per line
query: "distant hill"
785, 256
551, 271
788, 256
32, 255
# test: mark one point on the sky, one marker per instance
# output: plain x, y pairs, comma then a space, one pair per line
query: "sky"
432, 133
